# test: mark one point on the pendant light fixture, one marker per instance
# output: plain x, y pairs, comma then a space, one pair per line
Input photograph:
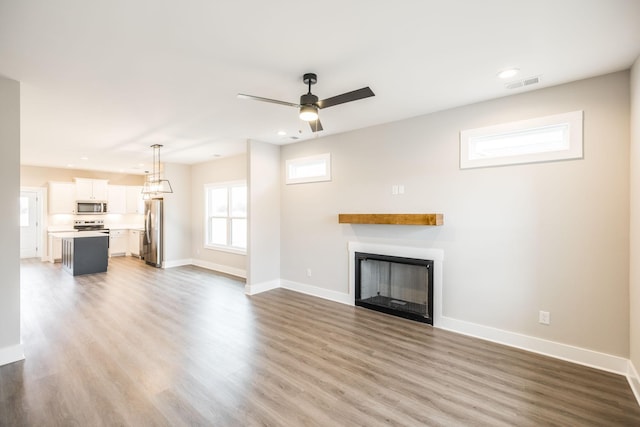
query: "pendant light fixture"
155, 185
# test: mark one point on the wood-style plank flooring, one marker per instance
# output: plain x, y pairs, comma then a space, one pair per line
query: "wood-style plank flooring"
140, 346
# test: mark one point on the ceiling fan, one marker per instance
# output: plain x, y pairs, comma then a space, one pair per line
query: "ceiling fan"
309, 104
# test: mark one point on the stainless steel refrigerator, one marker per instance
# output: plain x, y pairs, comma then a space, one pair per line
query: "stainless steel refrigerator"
152, 248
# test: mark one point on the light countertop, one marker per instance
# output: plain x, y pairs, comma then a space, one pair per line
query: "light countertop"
60, 228
124, 227
79, 235
111, 227
64, 229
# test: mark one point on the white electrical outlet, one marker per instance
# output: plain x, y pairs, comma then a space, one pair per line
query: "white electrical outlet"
400, 189
394, 190
308, 272
544, 317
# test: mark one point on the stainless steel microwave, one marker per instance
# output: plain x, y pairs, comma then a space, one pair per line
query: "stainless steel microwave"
90, 207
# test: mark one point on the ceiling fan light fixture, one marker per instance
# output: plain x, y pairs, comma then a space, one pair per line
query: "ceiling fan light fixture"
309, 103
308, 113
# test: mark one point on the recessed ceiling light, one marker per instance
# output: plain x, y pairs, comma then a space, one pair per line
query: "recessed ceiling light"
508, 73
84, 158
282, 133
70, 165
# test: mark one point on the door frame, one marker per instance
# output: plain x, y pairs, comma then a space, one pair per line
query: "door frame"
41, 218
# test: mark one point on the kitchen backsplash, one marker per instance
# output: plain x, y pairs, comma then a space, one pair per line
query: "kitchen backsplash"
62, 221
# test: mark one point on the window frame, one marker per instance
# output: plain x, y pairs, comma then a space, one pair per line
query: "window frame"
573, 139
228, 185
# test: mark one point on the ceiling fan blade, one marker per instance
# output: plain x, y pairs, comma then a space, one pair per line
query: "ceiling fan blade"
316, 125
273, 101
354, 95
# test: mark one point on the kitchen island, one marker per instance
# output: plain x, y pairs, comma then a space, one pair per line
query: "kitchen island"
84, 253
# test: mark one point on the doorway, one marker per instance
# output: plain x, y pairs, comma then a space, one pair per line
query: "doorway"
30, 221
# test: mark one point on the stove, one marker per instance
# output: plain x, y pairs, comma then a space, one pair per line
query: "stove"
90, 225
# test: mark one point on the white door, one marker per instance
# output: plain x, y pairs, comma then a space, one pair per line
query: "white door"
29, 224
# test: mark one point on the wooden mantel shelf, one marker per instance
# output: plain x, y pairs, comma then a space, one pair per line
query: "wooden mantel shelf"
399, 219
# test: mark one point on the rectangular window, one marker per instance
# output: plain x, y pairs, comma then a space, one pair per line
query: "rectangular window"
557, 137
226, 216
308, 169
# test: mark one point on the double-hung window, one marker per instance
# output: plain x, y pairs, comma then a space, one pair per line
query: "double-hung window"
226, 216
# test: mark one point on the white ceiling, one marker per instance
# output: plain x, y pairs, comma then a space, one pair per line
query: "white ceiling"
105, 79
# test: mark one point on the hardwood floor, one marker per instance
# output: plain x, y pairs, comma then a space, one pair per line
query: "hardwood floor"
139, 346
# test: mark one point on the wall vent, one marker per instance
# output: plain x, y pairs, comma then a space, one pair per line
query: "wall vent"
522, 83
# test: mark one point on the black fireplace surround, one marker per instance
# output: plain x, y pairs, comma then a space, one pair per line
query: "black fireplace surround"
395, 285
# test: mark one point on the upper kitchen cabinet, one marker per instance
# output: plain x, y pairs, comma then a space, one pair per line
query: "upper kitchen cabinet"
135, 202
117, 201
91, 189
62, 197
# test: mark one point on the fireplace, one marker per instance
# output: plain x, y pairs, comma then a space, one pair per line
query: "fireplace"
395, 285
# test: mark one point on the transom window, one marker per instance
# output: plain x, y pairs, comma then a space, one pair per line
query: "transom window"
308, 169
557, 137
226, 216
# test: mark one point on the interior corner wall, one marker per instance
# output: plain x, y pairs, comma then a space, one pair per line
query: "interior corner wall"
177, 216
220, 170
517, 239
634, 275
263, 252
10, 346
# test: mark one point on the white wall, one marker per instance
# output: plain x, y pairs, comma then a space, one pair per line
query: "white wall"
220, 170
634, 279
177, 215
516, 240
10, 347
264, 216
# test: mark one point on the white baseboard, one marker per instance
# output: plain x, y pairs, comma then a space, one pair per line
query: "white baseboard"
176, 263
303, 288
581, 356
11, 354
261, 287
634, 381
219, 267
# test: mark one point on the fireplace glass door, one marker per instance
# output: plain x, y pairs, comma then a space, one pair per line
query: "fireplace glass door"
395, 285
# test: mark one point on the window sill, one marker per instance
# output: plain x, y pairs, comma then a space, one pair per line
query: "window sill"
226, 249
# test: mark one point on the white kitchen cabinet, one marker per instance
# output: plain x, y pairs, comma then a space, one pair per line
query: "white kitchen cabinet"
54, 248
91, 189
117, 200
134, 242
135, 202
62, 197
118, 242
